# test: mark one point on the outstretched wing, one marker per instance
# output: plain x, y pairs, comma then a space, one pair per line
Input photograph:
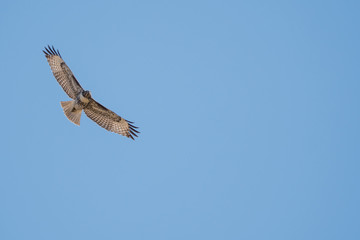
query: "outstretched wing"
62, 72
109, 120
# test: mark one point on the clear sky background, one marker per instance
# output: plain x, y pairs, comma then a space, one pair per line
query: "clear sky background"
248, 111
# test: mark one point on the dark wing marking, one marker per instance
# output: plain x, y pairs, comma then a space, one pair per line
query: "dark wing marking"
62, 72
109, 120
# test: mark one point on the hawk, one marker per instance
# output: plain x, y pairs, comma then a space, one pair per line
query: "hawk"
82, 99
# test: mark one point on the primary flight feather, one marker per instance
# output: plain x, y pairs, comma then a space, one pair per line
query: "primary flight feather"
82, 99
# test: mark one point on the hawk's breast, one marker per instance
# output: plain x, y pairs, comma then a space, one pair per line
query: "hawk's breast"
83, 99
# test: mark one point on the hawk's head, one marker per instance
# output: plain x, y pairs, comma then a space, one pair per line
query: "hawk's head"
86, 94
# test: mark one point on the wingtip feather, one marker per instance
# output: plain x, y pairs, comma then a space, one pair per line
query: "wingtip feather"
51, 51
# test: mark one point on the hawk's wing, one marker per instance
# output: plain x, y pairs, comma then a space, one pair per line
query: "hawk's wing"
62, 72
109, 120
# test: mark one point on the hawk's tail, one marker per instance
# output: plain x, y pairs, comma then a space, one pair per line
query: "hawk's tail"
72, 114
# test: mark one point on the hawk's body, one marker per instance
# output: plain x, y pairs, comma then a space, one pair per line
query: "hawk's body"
82, 99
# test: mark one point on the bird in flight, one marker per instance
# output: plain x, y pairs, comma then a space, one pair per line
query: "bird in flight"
82, 99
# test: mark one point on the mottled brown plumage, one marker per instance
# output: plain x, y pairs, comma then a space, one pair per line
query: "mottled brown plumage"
82, 99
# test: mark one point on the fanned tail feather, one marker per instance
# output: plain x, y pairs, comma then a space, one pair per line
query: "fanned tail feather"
72, 114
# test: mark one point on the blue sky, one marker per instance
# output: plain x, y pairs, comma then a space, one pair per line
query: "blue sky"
248, 111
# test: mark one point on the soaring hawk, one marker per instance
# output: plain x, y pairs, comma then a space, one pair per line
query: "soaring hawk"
82, 99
